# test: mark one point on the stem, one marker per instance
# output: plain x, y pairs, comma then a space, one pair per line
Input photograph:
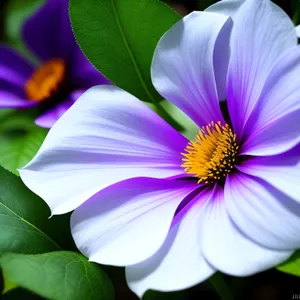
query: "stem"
165, 115
220, 286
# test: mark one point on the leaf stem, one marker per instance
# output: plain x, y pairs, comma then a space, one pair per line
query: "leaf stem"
220, 286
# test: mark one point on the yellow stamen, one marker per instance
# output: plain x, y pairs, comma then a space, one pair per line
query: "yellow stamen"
213, 153
46, 80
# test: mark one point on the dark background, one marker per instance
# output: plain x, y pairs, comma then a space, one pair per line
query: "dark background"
270, 285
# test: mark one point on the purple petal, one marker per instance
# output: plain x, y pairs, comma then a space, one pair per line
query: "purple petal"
227, 249
107, 136
48, 118
263, 213
48, 32
180, 254
282, 171
14, 69
11, 100
274, 125
190, 65
261, 34
134, 215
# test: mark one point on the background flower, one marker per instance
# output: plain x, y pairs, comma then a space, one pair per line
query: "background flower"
62, 75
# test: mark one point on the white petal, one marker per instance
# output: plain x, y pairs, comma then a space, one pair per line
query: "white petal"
226, 7
107, 136
282, 171
190, 64
179, 263
261, 34
263, 213
274, 125
127, 222
228, 249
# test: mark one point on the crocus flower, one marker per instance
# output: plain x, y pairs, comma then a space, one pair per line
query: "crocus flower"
174, 211
62, 75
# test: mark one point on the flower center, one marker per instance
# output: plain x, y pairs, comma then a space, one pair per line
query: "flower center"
213, 153
46, 80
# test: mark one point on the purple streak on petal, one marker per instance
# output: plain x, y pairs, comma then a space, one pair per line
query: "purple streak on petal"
180, 254
48, 31
14, 69
261, 34
263, 213
134, 215
282, 171
107, 136
229, 250
186, 61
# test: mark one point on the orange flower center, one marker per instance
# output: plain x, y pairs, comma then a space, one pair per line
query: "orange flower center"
213, 153
46, 80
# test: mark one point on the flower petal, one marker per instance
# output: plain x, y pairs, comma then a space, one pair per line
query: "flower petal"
48, 39
48, 118
14, 68
190, 65
262, 33
128, 222
226, 7
274, 125
12, 100
178, 264
257, 208
107, 136
282, 171
227, 248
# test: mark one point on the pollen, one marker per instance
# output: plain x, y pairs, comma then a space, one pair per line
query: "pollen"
212, 155
46, 80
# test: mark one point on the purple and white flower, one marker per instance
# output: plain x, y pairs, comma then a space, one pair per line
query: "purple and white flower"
63, 74
173, 211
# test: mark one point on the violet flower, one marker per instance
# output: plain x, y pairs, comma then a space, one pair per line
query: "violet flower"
63, 74
173, 211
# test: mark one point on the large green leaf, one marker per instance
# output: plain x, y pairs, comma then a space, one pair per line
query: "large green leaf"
119, 37
24, 222
292, 265
20, 139
57, 275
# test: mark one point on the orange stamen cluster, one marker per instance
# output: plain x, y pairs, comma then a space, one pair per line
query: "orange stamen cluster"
46, 80
213, 153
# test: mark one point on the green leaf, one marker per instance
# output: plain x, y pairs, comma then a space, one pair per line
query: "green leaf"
24, 222
58, 275
20, 140
119, 37
292, 265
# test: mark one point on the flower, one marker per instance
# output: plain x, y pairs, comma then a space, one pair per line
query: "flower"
173, 211
62, 75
